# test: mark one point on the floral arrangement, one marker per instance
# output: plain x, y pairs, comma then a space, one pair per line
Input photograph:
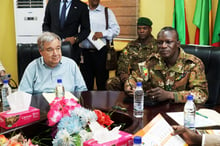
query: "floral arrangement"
17, 140
72, 120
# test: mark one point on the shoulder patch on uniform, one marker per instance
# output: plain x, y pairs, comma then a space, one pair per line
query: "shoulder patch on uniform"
125, 52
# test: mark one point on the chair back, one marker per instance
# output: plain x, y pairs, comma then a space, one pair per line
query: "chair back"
210, 57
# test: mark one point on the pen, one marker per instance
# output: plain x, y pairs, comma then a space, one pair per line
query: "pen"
201, 115
130, 84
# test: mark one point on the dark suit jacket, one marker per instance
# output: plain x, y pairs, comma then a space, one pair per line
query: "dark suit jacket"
78, 16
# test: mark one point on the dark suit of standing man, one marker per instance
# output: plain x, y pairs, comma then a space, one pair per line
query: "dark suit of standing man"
76, 27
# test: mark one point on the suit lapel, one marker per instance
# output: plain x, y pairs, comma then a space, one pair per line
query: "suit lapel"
72, 10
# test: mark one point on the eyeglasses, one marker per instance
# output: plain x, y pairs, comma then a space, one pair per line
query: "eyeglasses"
50, 50
167, 42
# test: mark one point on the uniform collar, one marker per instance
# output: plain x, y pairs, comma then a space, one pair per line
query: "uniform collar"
178, 67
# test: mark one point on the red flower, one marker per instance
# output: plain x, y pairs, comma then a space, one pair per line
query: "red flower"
14, 143
103, 119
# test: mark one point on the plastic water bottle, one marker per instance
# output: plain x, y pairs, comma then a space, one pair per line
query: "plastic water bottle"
60, 91
138, 101
6, 90
137, 141
189, 113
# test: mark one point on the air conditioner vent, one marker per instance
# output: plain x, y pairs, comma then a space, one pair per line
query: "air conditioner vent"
29, 3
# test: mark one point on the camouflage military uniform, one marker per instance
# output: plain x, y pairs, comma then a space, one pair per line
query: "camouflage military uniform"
186, 77
128, 61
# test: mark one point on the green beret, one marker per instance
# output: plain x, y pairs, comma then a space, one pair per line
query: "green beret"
144, 21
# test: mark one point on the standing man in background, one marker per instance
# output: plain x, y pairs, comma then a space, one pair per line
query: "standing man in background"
135, 52
70, 20
93, 64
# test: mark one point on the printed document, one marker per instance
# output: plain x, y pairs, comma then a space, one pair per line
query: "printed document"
158, 132
200, 121
97, 43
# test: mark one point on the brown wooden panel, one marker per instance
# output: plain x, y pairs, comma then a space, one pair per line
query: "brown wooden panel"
126, 37
127, 20
117, 3
127, 30
126, 12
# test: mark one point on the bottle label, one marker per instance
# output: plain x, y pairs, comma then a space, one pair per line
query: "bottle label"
5, 92
60, 91
138, 103
189, 120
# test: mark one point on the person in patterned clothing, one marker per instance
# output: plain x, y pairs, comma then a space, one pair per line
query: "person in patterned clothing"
170, 74
136, 51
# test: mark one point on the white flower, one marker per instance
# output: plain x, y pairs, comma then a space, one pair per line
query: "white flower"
85, 115
63, 138
85, 135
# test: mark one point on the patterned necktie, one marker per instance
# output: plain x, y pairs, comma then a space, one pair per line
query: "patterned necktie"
63, 14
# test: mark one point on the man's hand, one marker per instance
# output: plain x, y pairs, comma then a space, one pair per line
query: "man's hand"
97, 35
72, 40
160, 94
2, 73
124, 77
188, 135
129, 87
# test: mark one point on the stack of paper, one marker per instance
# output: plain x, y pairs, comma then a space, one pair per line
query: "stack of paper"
158, 132
208, 131
211, 114
204, 118
50, 96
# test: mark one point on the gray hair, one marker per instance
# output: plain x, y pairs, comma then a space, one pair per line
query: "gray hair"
46, 37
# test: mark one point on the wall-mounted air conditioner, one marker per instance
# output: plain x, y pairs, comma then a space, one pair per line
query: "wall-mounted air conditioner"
29, 16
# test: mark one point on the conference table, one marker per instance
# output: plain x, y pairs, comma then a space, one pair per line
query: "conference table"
110, 101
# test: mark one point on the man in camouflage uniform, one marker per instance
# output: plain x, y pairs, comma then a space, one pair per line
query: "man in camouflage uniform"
171, 74
136, 51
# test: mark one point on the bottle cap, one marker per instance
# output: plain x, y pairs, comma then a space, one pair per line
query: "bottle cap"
59, 80
139, 84
190, 97
137, 140
5, 81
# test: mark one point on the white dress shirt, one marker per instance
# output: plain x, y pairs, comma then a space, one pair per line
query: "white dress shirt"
98, 24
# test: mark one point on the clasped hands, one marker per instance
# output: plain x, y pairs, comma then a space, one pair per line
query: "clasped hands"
157, 93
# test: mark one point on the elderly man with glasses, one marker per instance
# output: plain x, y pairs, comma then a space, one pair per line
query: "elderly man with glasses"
42, 73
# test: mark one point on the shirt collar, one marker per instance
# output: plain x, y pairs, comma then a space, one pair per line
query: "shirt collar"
67, 1
98, 8
43, 63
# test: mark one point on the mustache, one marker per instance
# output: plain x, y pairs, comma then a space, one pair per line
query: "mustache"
162, 50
